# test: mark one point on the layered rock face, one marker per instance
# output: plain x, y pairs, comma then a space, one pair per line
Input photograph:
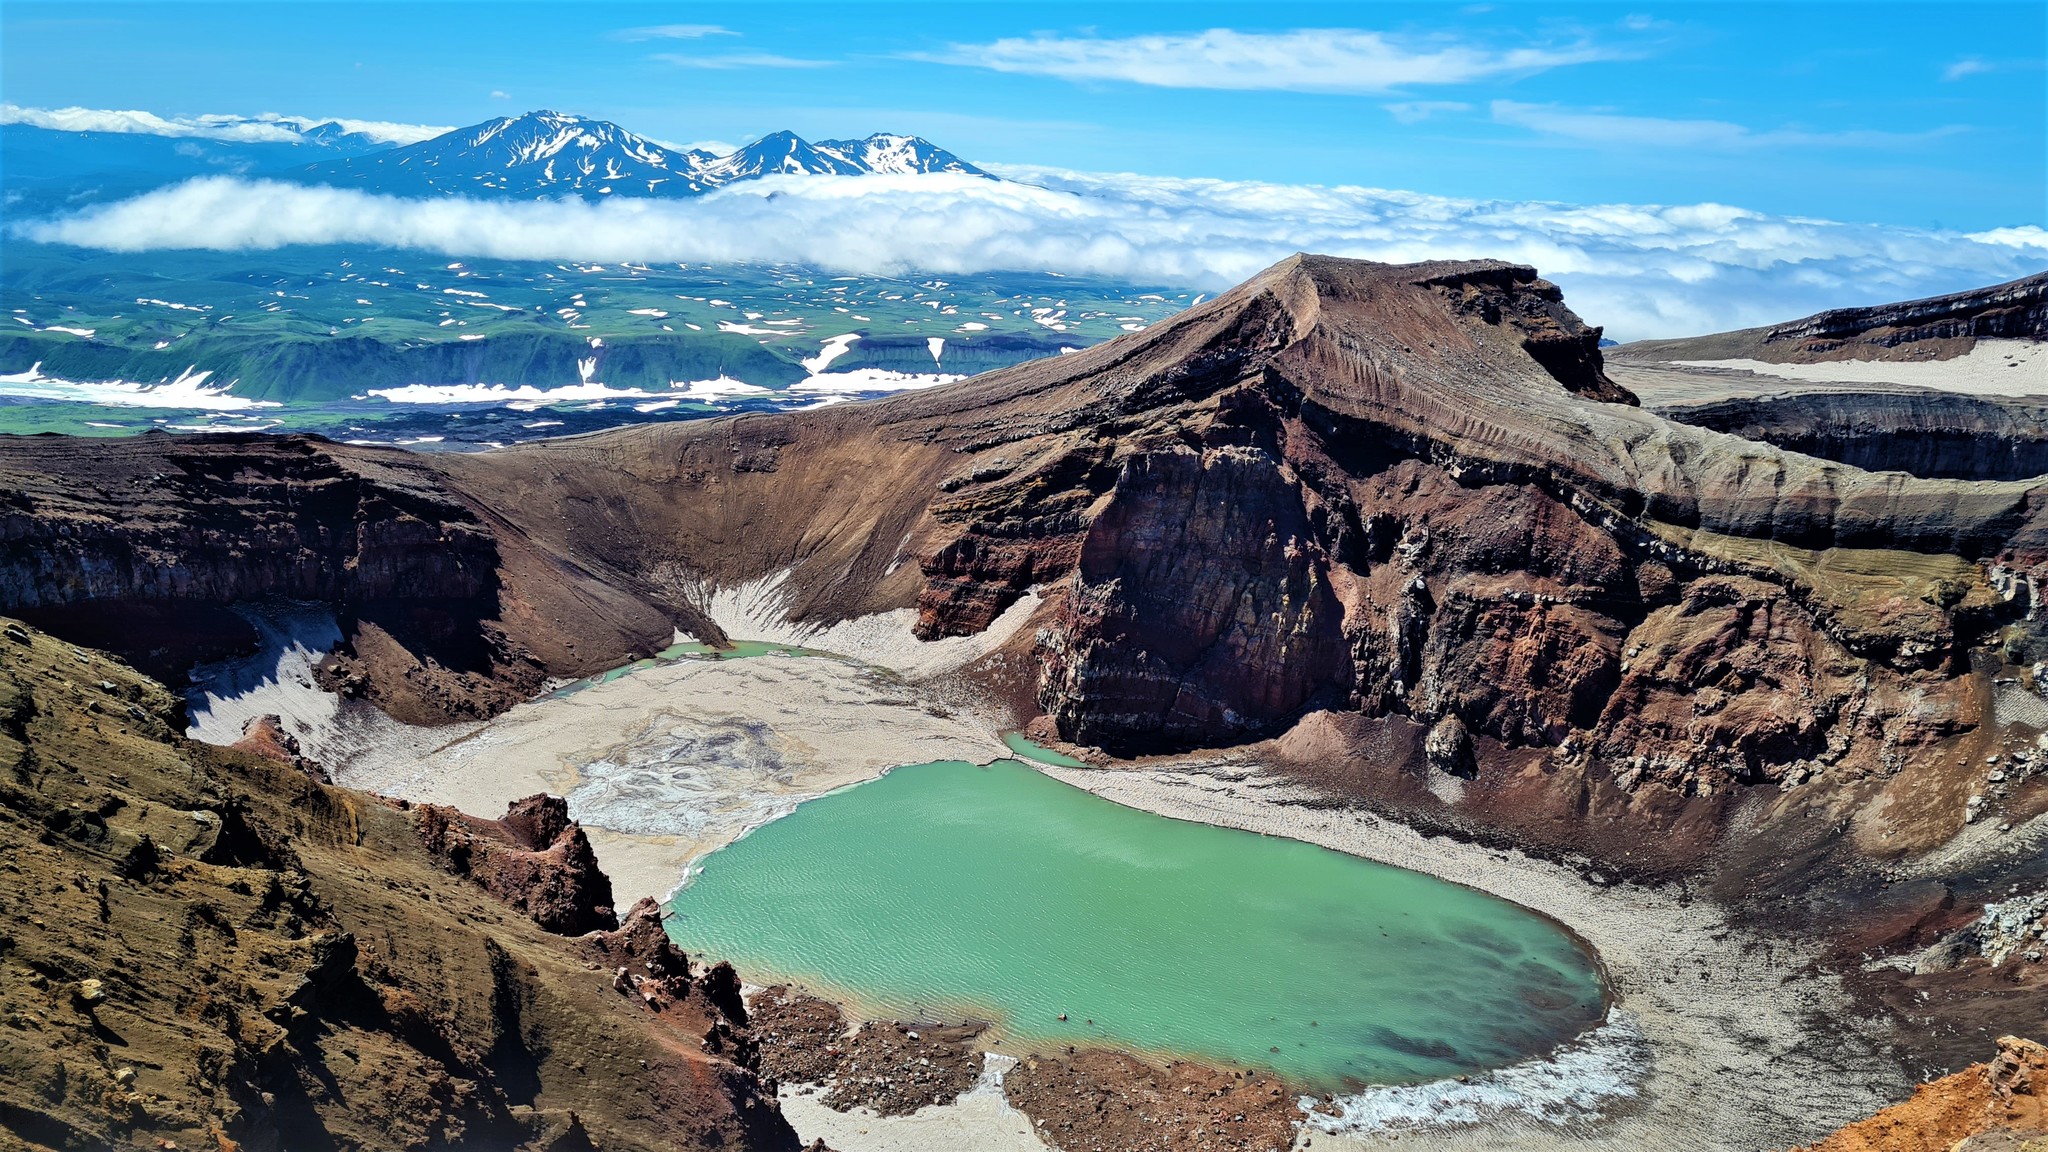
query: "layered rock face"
209, 948
1935, 328
1409, 494
2017, 310
1930, 434
141, 545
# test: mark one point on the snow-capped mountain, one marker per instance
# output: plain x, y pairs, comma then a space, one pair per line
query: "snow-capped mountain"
886, 153
540, 154
545, 155
786, 153
332, 134
778, 152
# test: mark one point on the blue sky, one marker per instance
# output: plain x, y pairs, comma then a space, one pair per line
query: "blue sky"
1921, 115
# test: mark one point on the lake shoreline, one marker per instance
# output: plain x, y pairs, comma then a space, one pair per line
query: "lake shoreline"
1733, 1052
995, 892
1745, 1043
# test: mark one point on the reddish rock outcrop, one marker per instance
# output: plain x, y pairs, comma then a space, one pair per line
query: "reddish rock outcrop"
265, 736
642, 959
536, 859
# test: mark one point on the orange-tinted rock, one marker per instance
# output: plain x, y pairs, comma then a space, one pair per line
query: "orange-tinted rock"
2001, 1105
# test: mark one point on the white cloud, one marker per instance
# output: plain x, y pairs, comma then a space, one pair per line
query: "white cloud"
1305, 60
1416, 111
1598, 127
715, 147
673, 32
2023, 236
267, 127
1642, 270
500, 94
1968, 66
732, 61
389, 131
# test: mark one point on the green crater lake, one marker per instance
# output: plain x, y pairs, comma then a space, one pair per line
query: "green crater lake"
998, 893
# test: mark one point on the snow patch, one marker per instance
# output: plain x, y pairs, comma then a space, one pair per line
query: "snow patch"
500, 394
188, 390
835, 347
715, 389
871, 380
757, 611
1991, 368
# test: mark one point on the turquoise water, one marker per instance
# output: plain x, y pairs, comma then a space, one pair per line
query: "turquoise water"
1031, 750
997, 892
689, 650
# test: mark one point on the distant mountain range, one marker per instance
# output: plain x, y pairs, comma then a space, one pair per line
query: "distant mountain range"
540, 155
550, 154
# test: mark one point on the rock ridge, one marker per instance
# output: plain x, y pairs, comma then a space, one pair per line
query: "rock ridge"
207, 947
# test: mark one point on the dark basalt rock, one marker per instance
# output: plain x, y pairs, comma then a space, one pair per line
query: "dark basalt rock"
2016, 310
1940, 435
1936, 328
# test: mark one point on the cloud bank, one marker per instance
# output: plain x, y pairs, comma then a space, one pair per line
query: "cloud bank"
1642, 270
1658, 132
673, 32
733, 61
1303, 60
264, 128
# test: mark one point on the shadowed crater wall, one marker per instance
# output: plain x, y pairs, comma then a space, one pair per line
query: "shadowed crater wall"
1945, 437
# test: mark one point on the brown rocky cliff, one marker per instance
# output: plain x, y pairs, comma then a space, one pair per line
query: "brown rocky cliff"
210, 948
1198, 605
141, 546
1406, 490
